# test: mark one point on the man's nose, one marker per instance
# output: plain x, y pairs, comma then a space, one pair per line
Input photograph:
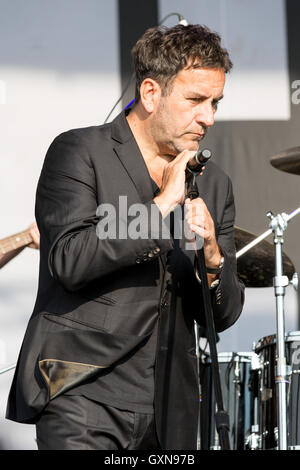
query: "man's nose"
206, 115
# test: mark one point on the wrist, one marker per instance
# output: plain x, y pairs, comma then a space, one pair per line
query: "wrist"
215, 265
165, 206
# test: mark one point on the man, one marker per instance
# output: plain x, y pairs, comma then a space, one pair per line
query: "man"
108, 360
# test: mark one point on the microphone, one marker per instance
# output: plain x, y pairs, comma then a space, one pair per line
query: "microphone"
199, 160
195, 165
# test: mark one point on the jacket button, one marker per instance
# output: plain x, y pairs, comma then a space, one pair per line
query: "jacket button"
150, 254
138, 260
156, 250
164, 303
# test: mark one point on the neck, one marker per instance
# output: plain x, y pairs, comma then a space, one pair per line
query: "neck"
140, 124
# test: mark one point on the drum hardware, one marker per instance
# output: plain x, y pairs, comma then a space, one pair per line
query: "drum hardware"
257, 268
294, 281
278, 225
249, 390
253, 441
235, 374
266, 394
237, 378
276, 434
288, 161
271, 375
268, 389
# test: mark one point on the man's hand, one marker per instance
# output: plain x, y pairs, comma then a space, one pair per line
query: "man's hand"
199, 221
172, 191
35, 234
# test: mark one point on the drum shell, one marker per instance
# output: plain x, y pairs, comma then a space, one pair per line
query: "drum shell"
237, 377
268, 427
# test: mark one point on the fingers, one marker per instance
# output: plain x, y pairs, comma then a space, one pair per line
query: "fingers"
172, 191
198, 217
200, 223
197, 210
35, 234
173, 179
183, 158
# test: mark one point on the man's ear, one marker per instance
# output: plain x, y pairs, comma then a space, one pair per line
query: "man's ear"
150, 93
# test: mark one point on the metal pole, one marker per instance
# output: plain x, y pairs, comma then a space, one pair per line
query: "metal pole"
265, 234
281, 379
253, 243
8, 368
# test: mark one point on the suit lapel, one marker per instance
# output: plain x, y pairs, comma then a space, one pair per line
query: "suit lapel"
131, 158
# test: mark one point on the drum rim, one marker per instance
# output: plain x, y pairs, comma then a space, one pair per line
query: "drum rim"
239, 356
269, 340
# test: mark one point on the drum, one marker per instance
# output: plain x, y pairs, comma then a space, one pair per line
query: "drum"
267, 396
238, 375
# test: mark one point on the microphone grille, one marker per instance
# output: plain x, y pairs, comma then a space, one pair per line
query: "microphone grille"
206, 153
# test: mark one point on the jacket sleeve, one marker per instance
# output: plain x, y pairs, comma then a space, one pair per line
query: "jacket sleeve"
228, 297
67, 217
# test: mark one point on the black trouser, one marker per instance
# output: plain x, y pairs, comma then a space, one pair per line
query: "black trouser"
73, 422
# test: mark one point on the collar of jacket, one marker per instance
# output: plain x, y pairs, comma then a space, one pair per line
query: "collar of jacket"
128, 152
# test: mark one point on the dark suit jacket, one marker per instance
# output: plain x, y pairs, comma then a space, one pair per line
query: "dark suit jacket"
99, 299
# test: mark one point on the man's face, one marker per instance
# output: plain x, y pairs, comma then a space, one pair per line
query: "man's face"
183, 117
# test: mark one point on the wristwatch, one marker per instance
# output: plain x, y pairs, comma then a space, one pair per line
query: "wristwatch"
218, 269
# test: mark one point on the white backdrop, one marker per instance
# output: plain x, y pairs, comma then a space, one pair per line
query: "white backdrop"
255, 34
59, 69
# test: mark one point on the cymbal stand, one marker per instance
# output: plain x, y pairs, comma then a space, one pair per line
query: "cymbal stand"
278, 225
264, 235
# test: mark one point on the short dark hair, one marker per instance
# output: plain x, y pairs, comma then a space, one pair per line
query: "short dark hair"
162, 52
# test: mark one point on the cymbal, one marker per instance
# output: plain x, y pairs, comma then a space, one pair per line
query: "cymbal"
288, 160
256, 267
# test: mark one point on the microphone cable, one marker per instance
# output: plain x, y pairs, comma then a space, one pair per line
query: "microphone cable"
181, 20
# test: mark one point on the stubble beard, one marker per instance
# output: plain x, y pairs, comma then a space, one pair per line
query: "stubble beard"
168, 144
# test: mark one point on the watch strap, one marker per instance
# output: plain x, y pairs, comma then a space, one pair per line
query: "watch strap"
216, 270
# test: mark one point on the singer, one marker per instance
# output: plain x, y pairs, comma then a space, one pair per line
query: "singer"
108, 358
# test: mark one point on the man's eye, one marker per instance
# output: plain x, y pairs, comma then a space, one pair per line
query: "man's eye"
215, 104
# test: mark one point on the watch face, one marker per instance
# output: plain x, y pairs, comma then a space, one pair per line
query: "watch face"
215, 284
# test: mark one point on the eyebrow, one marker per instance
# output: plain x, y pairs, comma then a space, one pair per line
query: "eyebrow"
219, 98
196, 94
